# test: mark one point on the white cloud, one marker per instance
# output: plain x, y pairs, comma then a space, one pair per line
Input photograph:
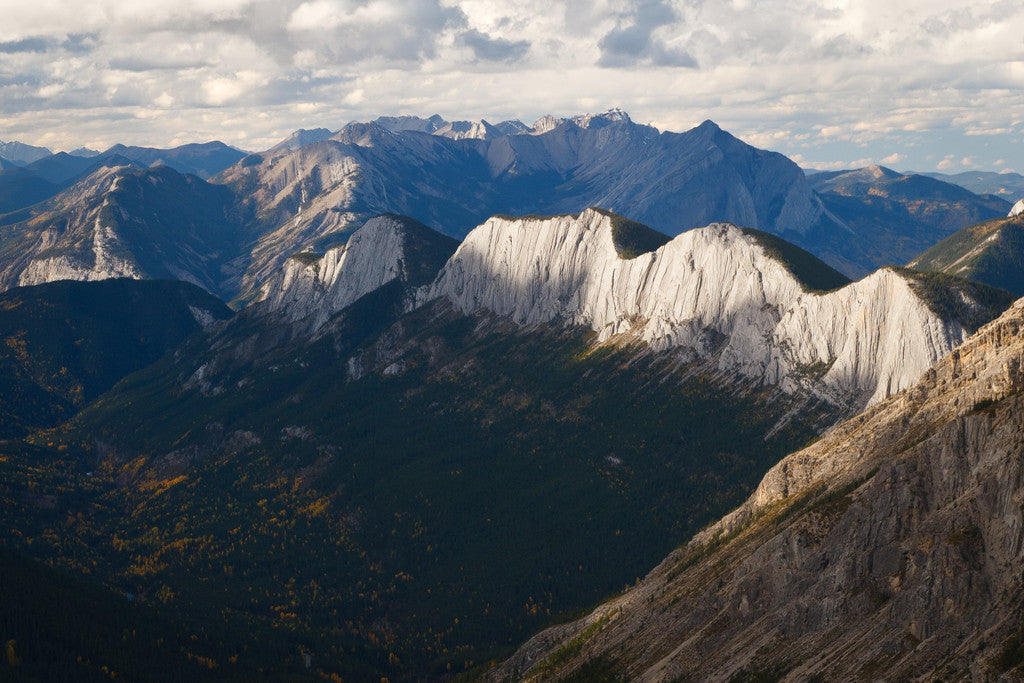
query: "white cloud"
826, 79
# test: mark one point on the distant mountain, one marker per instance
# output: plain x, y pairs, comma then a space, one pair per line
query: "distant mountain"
31, 184
308, 199
20, 187
84, 152
891, 548
21, 154
126, 221
63, 167
67, 342
894, 217
991, 252
301, 138
201, 159
411, 123
457, 130
4, 164
1008, 186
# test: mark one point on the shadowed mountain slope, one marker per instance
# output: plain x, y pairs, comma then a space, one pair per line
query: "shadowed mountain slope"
991, 252
67, 342
890, 549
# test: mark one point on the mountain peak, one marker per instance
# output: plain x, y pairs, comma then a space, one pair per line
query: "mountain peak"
301, 138
586, 121
397, 124
20, 153
740, 287
611, 116
463, 130
311, 288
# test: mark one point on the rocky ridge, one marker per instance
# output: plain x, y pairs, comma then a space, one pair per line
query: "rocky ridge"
991, 252
308, 199
309, 289
891, 549
716, 291
123, 221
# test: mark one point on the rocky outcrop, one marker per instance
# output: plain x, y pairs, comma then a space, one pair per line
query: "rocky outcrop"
716, 291
1016, 209
309, 289
892, 549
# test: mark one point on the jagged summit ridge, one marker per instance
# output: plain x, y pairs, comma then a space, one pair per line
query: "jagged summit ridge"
714, 291
311, 288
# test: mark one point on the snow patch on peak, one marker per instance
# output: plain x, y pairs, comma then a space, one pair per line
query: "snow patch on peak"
714, 292
548, 123
614, 115
463, 130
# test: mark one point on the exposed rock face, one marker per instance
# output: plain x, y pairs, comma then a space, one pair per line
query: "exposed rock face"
101, 256
310, 289
714, 290
1016, 209
123, 221
892, 549
308, 198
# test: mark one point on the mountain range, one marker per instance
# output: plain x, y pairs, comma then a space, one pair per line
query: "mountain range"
598, 360
308, 193
19, 154
478, 379
1007, 185
897, 216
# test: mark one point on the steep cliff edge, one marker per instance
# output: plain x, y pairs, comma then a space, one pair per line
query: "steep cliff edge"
891, 549
309, 289
722, 292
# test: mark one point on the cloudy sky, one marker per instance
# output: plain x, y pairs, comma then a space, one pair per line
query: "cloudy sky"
914, 84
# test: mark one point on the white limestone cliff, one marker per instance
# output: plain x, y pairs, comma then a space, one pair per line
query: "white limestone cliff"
713, 291
311, 288
1017, 209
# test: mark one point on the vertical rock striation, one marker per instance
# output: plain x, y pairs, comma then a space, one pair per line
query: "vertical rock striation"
716, 291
